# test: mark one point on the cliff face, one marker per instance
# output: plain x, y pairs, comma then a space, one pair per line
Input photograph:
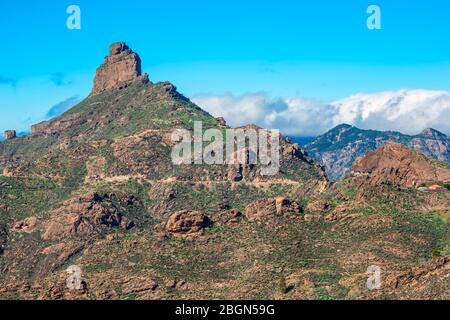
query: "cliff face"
120, 68
337, 149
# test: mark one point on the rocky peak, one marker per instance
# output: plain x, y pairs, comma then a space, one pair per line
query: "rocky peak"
398, 165
432, 133
121, 68
117, 48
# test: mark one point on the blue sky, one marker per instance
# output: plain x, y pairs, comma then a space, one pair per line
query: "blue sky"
309, 49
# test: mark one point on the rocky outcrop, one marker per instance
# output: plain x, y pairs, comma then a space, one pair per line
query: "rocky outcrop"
27, 225
262, 209
337, 149
417, 273
232, 216
187, 223
120, 68
395, 164
81, 215
10, 134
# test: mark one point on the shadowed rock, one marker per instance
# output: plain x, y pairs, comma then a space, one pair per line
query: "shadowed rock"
10, 134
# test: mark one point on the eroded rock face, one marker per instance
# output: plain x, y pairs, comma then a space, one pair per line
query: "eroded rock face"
81, 215
187, 223
121, 67
265, 208
398, 165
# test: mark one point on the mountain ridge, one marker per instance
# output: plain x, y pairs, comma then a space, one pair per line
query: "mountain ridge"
339, 147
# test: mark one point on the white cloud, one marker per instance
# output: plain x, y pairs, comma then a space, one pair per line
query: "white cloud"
407, 111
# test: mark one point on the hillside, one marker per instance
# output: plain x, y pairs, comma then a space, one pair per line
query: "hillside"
96, 188
338, 148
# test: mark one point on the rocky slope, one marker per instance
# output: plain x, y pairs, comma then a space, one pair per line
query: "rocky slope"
96, 188
338, 148
398, 165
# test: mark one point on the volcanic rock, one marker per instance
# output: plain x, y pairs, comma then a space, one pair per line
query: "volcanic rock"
120, 68
418, 272
264, 208
81, 215
232, 216
187, 223
27, 225
395, 164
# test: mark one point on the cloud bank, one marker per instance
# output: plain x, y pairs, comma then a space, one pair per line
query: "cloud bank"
407, 111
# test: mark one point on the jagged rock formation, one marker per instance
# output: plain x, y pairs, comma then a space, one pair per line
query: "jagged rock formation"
120, 68
337, 149
10, 134
398, 165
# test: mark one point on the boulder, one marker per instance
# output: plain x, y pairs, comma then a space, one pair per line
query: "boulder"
232, 216
28, 225
276, 206
187, 223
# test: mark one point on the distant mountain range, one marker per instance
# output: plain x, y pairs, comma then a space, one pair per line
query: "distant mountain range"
337, 149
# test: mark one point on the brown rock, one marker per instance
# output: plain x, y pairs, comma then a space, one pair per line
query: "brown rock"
10, 134
171, 284
139, 285
395, 164
29, 225
232, 216
416, 273
186, 223
119, 69
264, 208
81, 215
64, 225
316, 210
